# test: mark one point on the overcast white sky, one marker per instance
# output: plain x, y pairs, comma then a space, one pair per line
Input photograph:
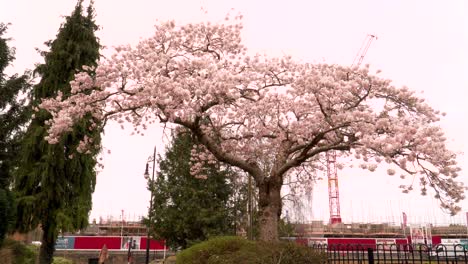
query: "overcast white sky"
421, 44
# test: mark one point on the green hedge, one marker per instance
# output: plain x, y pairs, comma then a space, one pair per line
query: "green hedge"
61, 260
18, 252
234, 250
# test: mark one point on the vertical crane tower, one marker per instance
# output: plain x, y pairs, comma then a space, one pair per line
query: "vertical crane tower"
333, 190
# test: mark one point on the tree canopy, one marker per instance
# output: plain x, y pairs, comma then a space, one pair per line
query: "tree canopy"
187, 209
14, 114
266, 116
55, 182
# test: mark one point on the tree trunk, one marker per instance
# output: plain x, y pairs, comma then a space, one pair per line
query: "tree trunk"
47, 249
269, 204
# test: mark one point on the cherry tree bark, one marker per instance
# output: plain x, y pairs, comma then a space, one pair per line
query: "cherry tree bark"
270, 205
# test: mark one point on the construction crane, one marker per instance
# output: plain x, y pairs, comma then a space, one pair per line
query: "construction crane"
333, 189
363, 50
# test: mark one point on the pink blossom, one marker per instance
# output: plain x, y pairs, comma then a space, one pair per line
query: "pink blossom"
266, 116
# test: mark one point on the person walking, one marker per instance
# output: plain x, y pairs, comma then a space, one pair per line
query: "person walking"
103, 254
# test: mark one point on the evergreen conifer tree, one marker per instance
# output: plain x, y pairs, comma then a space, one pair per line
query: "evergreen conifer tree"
187, 209
55, 182
14, 115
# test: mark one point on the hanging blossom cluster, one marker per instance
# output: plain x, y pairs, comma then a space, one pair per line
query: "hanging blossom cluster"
267, 116
199, 158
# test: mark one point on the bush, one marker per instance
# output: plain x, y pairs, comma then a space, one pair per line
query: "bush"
18, 252
234, 250
170, 260
60, 260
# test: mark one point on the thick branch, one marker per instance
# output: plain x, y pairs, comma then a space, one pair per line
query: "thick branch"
303, 157
221, 155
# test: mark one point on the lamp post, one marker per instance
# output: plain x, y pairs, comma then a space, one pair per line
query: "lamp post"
146, 175
129, 253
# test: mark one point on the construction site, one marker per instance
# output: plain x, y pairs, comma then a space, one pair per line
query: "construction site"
313, 229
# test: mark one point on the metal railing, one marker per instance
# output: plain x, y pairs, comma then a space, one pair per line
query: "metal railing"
394, 253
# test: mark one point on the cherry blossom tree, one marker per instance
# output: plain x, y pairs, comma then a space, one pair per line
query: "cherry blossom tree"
266, 116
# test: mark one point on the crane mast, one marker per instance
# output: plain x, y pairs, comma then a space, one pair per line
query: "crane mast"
363, 50
332, 175
333, 191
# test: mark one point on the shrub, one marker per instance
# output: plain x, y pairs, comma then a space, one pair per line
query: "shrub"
20, 253
169, 260
234, 250
60, 260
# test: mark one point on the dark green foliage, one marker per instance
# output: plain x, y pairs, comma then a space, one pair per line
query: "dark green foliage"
186, 209
55, 183
75, 46
14, 114
17, 252
234, 250
7, 211
285, 229
60, 260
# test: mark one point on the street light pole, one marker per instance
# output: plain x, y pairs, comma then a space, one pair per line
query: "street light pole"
151, 185
129, 253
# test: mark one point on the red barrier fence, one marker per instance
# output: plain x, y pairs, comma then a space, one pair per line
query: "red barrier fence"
111, 242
